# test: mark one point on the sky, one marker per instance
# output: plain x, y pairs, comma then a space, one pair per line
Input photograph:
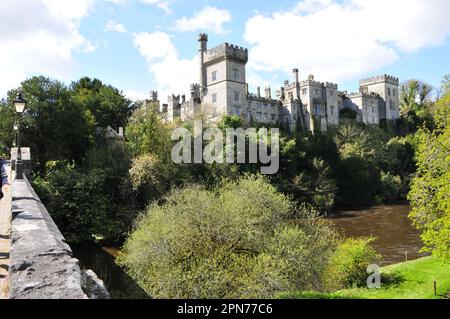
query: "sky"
143, 45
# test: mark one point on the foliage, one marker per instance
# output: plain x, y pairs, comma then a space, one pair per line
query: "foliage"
91, 206
408, 280
107, 104
348, 265
390, 186
233, 242
348, 113
430, 189
54, 126
415, 104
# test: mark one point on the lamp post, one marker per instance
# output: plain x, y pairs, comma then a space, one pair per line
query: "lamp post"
19, 103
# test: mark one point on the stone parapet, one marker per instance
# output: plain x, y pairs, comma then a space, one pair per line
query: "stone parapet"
41, 263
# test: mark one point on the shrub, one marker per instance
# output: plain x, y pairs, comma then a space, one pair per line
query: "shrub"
391, 186
97, 205
234, 242
348, 265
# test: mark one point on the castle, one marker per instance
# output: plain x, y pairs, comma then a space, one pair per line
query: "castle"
314, 105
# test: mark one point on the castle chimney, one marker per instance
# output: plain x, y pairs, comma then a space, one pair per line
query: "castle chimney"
295, 71
311, 77
203, 47
268, 93
154, 96
258, 90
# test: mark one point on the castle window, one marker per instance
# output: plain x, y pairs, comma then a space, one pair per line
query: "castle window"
373, 109
389, 91
259, 106
394, 92
273, 117
237, 110
392, 105
316, 91
214, 98
236, 96
317, 109
331, 93
332, 110
258, 116
214, 76
236, 74
304, 91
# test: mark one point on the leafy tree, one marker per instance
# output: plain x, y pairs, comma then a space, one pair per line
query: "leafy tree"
96, 206
430, 189
230, 243
348, 113
415, 102
107, 104
55, 126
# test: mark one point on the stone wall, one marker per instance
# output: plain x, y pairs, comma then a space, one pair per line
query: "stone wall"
41, 263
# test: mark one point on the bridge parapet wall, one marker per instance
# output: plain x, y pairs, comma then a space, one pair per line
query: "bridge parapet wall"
41, 262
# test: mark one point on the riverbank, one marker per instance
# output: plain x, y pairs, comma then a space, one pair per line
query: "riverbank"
407, 280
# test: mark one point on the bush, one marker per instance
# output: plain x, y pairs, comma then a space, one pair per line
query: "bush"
234, 242
391, 187
348, 265
97, 205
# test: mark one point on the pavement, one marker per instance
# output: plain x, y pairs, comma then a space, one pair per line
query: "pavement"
5, 242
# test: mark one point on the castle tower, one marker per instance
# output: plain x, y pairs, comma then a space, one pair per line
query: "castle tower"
203, 47
226, 79
387, 87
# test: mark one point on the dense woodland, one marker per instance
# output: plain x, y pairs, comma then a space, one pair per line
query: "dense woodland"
236, 232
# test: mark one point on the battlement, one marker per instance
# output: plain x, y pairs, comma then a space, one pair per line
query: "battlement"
331, 85
354, 95
311, 81
379, 79
226, 51
173, 99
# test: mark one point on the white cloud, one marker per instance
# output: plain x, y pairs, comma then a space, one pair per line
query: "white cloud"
209, 19
112, 26
40, 40
135, 95
343, 40
162, 4
172, 74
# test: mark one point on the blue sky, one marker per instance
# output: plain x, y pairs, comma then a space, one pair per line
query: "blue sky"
140, 45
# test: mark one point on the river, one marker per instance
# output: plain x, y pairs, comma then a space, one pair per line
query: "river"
397, 240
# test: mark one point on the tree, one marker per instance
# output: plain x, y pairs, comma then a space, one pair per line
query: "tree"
429, 195
107, 104
55, 126
233, 242
415, 101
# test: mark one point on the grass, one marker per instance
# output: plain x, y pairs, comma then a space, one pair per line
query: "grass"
409, 280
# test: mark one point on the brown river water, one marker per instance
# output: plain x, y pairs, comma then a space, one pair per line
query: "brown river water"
397, 240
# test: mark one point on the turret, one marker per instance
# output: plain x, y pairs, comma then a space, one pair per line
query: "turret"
203, 48
295, 74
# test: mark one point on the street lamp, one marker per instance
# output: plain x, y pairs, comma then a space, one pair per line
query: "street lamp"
19, 103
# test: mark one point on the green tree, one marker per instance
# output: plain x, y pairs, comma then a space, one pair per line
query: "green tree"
230, 243
107, 104
55, 126
429, 195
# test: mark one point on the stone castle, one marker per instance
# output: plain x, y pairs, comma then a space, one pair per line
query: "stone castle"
314, 105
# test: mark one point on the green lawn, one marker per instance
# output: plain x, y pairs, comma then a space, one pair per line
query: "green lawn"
409, 280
